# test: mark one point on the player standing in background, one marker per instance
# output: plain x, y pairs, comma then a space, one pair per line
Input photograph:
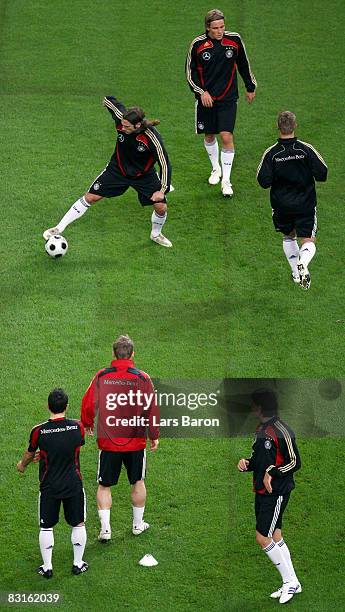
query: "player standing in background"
290, 168
59, 441
274, 460
211, 71
139, 146
122, 397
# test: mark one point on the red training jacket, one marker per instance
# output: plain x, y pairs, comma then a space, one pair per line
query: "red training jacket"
121, 398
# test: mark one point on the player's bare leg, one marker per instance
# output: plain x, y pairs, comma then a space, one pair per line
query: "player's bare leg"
306, 254
158, 218
227, 158
291, 250
212, 150
104, 502
77, 210
138, 496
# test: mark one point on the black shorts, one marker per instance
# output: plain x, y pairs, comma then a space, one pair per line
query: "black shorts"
110, 463
49, 509
305, 224
221, 117
111, 183
269, 511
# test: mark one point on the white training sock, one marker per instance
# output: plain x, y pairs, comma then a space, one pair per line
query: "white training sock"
286, 554
78, 539
212, 151
291, 250
226, 158
46, 540
273, 551
138, 515
78, 209
104, 517
157, 223
307, 252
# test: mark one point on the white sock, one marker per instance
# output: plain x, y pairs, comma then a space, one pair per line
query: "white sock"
307, 252
286, 554
78, 539
138, 515
46, 540
291, 250
78, 209
273, 551
157, 223
212, 151
226, 158
104, 517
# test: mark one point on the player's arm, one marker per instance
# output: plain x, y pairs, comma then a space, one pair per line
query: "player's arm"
82, 433
264, 173
152, 415
244, 69
29, 455
161, 157
289, 450
27, 458
247, 465
88, 407
192, 74
115, 107
318, 165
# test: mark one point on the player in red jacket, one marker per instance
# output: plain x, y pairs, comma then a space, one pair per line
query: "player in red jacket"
122, 400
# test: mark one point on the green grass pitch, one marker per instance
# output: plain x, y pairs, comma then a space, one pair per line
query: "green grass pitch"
218, 304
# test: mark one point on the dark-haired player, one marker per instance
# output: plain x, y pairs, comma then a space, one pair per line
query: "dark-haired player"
122, 399
59, 441
211, 70
274, 460
290, 168
139, 147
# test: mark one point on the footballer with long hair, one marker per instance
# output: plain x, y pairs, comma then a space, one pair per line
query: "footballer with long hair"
138, 148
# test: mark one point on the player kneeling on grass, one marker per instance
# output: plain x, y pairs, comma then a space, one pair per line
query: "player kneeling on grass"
139, 146
59, 441
290, 168
123, 400
274, 460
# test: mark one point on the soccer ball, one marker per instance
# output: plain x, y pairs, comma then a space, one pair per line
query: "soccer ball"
56, 246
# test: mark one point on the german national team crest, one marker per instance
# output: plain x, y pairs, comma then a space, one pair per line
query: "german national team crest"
96, 186
141, 148
200, 126
229, 53
121, 137
268, 444
206, 55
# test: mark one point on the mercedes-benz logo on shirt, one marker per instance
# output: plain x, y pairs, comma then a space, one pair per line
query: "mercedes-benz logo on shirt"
206, 55
121, 137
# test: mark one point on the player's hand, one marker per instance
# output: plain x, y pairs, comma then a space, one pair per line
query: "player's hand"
206, 99
267, 482
250, 95
243, 465
154, 445
89, 431
20, 467
37, 456
157, 196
